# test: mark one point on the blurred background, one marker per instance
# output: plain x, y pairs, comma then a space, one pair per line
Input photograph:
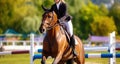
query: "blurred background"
94, 17
93, 21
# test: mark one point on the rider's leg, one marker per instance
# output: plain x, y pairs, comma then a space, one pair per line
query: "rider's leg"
69, 27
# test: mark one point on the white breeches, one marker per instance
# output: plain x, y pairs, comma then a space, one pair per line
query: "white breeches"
69, 27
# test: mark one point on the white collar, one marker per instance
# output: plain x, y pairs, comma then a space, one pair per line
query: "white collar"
58, 5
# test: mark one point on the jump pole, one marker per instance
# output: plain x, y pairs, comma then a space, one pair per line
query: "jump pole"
112, 48
31, 48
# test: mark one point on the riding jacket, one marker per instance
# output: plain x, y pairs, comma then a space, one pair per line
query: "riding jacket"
61, 11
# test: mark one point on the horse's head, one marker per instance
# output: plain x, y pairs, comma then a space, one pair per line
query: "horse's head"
49, 19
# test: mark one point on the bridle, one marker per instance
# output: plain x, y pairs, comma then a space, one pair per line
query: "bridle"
51, 22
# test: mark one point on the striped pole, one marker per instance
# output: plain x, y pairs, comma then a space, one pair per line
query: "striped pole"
117, 48
91, 49
112, 55
39, 56
101, 55
14, 52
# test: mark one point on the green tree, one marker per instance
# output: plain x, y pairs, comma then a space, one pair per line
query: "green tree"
29, 24
73, 9
24, 16
14, 12
115, 13
84, 14
6, 13
102, 25
86, 17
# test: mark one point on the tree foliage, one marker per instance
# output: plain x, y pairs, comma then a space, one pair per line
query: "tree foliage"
24, 16
115, 13
87, 16
14, 12
102, 25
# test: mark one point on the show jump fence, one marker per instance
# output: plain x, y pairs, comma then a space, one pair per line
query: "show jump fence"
112, 51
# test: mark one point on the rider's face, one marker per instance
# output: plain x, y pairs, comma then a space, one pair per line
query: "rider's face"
56, 1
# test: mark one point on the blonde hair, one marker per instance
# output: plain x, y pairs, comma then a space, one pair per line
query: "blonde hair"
62, 1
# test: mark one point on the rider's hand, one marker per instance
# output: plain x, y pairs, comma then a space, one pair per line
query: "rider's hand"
68, 18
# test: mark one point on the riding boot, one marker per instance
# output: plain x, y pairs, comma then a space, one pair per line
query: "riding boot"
72, 44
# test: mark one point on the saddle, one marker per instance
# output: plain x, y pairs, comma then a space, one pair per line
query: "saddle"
61, 21
65, 32
65, 18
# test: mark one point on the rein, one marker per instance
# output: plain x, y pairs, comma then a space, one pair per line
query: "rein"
49, 28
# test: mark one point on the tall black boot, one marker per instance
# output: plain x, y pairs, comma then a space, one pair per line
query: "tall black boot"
72, 44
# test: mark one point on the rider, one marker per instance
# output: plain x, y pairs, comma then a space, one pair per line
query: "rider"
60, 8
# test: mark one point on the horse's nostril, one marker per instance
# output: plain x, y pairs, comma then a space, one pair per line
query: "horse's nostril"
42, 30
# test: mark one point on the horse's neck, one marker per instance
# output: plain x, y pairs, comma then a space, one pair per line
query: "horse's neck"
54, 32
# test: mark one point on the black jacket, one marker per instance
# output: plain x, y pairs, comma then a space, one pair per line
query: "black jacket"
62, 10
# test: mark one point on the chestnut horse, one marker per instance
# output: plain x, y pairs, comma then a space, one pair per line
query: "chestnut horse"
55, 43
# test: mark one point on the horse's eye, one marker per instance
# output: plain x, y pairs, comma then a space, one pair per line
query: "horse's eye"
49, 16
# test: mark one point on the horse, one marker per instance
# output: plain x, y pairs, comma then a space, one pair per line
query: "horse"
55, 43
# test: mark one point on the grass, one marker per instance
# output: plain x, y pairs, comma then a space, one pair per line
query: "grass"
19, 59
25, 59
15, 59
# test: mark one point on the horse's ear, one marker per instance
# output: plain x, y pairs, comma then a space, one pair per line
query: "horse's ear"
45, 9
53, 12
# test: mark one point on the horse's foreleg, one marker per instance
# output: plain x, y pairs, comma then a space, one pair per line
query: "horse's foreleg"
61, 62
70, 61
43, 60
58, 58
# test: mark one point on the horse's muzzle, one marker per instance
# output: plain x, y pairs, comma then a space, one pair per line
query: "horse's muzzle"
42, 30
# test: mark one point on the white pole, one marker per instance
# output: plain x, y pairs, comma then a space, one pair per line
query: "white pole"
31, 48
13, 43
37, 43
112, 48
24, 43
1, 43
